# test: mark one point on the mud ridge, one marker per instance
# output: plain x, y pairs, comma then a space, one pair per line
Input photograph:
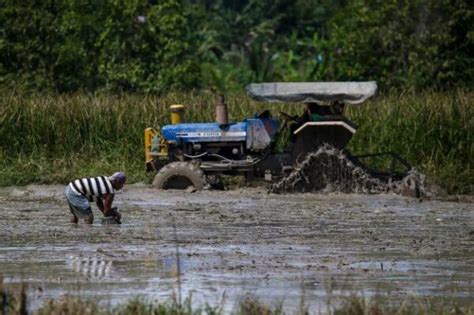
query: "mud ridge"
330, 170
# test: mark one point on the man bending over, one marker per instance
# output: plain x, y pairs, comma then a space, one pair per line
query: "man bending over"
101, 189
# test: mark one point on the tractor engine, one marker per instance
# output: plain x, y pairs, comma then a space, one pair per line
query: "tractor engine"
211, 141
218, 146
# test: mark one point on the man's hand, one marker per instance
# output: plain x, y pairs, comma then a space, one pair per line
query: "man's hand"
115, 214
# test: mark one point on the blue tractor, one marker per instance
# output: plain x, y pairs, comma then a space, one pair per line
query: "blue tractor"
197, 154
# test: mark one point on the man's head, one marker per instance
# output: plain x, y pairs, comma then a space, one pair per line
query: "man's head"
117, 180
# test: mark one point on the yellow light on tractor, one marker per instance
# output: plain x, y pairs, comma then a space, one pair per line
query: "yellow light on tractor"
149, 134
177, 114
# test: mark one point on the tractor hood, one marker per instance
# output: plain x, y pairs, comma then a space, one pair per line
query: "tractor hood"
256, 133
313, 92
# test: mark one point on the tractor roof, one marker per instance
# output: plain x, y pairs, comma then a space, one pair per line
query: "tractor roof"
313, 92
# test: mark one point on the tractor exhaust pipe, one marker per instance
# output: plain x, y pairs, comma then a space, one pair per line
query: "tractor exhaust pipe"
222, 115
177, 114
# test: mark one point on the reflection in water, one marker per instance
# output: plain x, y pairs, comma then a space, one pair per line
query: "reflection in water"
94, 267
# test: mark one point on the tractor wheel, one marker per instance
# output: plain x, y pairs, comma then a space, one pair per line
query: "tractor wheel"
180, 175
215, 182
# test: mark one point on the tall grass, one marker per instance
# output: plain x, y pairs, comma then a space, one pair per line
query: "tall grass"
434, 131
54, 138
15, 303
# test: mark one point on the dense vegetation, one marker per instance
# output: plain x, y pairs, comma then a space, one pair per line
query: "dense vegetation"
53, 138
80, 80
140, 45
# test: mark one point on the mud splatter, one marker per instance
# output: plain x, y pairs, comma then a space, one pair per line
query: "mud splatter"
331, 170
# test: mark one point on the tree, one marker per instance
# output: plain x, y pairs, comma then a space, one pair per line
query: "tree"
404, 43
113, 44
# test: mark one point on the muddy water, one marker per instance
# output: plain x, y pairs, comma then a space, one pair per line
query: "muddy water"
279, 248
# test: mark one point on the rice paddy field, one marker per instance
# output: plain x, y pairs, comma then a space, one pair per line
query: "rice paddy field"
48, 138
241, 251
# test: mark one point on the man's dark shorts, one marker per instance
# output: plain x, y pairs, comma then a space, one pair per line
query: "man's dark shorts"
78, 204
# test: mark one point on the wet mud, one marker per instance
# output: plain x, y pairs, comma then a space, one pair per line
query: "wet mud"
279, 248
330, 170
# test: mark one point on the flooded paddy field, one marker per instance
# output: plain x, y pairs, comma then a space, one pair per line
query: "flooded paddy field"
232, 244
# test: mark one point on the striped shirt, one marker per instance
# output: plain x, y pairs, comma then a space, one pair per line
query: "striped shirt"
92, 188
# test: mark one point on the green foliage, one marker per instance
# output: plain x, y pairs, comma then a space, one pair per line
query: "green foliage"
415, 44
136, 46
145, 49
264, 40
404, 43
251, 306
360, 305
51, 138
18, 303
434, 131
114, 45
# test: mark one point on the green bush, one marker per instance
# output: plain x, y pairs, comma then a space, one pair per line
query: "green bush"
144, 46
91, 45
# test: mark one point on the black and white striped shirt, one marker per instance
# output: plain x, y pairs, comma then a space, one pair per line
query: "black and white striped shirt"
92, 188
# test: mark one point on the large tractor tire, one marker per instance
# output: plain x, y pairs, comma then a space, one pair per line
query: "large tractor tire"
180, 175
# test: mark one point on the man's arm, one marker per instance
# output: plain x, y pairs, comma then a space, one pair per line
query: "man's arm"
108, 199
100, 204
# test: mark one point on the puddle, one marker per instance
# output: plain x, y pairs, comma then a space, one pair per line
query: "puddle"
236, 243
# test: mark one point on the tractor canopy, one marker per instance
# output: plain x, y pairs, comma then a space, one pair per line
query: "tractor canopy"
322, 93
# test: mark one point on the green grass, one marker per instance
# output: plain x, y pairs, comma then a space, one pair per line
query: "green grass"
12, 302
434, 131
360, 305
55, 138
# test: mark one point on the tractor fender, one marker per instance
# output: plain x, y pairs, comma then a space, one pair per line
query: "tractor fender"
180, 175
